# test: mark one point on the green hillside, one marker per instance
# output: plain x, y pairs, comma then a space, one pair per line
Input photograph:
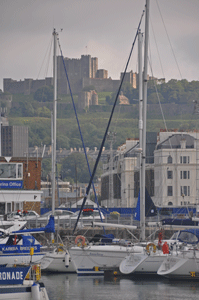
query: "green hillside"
172, 101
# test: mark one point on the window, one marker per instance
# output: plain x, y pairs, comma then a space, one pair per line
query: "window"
169, 191
184, 174
184, 159
185, 191
9, 207
11, 171
169, 174
169, 160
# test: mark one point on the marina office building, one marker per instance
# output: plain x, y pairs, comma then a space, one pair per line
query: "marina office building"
172, 171
20, 175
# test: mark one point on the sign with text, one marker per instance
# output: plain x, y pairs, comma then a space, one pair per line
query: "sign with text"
11, 184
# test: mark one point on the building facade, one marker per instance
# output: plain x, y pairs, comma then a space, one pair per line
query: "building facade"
14, 141
172, 171
20, 184
176, 170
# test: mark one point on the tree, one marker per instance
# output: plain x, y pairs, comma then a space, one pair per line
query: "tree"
75, 165
46, 167
44, 94
43, 112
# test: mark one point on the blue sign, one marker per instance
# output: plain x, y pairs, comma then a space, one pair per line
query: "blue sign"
11, 184
19, 248
13, 275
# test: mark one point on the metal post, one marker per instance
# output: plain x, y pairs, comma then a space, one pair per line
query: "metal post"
54, 125
142, 205
140, 74
54, 119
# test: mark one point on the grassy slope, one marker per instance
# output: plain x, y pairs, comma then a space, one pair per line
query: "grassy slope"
93, 124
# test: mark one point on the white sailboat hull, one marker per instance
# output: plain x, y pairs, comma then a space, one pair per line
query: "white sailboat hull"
55, 262
94, 259
142, 264
180, 267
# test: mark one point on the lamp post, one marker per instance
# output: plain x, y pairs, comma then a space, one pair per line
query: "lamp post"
196, 111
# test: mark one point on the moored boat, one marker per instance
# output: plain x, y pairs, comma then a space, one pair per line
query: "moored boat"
183, 266
21, 282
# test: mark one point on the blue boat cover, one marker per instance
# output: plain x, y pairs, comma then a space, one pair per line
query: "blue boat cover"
150, 208
50, 227
186, 222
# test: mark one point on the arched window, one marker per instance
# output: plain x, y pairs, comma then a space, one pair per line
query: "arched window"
169, 159
170, 203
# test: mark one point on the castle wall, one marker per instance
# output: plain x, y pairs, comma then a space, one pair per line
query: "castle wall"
81, 72
26, 87
101, 85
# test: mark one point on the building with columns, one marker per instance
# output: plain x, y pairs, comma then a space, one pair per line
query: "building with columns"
175, 170
172, 171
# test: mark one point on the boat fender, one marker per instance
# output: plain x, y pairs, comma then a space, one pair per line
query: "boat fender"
67, 259
15, 240
151, 245
35, 291
80, 240
165, 248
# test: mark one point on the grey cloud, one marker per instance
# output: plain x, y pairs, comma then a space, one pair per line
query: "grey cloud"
106, 27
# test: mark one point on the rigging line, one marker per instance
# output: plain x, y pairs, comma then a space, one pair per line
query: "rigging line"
169, 39
75, 112
157, 48
155, 85
49, 46
118, 114
49, 57
79, 130
109, 122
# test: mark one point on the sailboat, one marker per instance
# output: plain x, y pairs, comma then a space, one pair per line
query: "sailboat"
149, 261
93, 259
21, 282
185, 265
16, 243
57, 260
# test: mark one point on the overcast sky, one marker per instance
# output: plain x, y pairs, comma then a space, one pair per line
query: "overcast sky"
101, 28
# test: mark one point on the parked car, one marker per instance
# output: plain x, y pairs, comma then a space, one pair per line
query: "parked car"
61, 213
90, 214
23, 215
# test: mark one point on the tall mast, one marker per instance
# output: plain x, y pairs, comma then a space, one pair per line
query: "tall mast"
140, 74
142, 201
54, 119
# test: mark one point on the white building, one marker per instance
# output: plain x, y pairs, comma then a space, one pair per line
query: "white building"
175, 170
172, 171
125, 172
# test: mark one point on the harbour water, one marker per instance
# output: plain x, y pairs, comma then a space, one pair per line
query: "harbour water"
73, 287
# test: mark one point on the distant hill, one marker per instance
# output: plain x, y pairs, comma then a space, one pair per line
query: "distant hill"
177, 107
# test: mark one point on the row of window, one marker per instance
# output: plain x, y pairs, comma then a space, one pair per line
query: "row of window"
183, 159
183, 174
184, 191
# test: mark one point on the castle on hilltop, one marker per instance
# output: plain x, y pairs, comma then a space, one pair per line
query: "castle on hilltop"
82, 73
